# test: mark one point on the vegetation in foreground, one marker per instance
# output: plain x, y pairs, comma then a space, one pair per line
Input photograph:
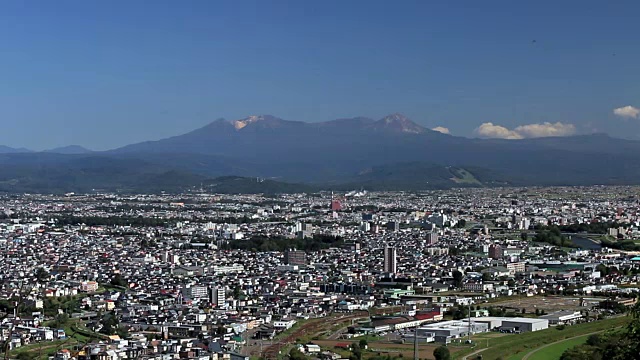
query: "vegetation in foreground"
507, 346
616, 344
553, 352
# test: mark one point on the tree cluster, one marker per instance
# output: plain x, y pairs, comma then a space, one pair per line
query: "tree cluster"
611, 345
119, 281
627, 245
592, 228
278, 243
442, 353
552, 235
112, 221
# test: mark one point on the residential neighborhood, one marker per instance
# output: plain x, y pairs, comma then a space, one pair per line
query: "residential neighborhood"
210, 276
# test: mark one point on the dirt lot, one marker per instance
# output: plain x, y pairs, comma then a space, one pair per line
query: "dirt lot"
308, 329
546, 303
426, 351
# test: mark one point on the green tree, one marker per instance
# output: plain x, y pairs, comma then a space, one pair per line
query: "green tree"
633, 331
122, 332
26, 356
118, 280
584, 352
42, 275
363, 343
442, 353
109, 323
457, 278
296, 354
221, 330
356, 351
60, 321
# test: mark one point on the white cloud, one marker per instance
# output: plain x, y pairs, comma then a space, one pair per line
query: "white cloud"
441, 129
627, 112
489, 130
545, 130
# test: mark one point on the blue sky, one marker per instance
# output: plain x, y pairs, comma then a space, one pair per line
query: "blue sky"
105, 74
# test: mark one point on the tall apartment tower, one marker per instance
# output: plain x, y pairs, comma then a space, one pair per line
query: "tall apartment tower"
390, 257
432, 238
217, 295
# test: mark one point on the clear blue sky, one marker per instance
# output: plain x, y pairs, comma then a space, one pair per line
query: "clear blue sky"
107, 73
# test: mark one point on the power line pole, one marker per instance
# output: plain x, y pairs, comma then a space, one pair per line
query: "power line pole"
469, 322
415, 343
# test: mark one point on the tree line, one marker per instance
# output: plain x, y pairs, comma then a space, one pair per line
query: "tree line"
280, 243
616, 344
553, 235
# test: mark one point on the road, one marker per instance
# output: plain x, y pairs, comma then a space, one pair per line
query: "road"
474, 353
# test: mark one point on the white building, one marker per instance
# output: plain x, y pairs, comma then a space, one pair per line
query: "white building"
218, 296
562, 317
195, 292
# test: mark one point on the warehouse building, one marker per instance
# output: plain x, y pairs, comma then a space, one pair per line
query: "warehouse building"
513, 324
445, 331
519, 325
563, 317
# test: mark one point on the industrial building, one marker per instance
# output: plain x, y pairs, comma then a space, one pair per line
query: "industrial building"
513, 324
445, 331
562, 317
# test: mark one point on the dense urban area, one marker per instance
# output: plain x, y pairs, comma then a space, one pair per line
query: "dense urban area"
504, 273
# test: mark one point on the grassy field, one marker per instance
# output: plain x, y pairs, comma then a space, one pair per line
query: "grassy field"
462, 176
45, 349
554, 351
293, 329
512, 346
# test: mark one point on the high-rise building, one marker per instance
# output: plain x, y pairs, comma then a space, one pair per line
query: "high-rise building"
217, 296
390, 257
432, 238
495, 251
336, 205
367, 216
303, 230
295, 257
393, 226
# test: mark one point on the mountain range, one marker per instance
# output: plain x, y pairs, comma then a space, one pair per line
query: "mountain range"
392, 153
